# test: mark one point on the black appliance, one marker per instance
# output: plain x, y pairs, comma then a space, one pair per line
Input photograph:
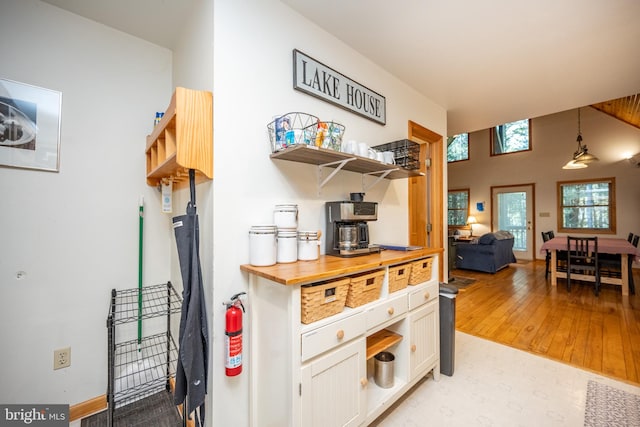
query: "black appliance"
347, 231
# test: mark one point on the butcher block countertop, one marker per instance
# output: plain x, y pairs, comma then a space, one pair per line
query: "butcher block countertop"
327, 266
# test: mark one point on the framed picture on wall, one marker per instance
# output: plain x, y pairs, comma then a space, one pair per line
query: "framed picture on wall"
29, 126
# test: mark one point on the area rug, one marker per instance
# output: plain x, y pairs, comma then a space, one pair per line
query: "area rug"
607, 406
461, 282
156, 410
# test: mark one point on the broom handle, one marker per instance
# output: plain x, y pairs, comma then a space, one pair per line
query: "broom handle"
141, 221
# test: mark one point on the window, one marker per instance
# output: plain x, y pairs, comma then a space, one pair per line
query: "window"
458, 208
587, 205
511, 137
458, 148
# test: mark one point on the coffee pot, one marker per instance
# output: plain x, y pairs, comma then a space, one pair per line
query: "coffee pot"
347, 229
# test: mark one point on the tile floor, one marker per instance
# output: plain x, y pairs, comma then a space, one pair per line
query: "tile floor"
495, 385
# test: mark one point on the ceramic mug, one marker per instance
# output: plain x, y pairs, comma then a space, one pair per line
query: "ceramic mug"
363, 149
380, 156
389, 157
372, 154
350, 147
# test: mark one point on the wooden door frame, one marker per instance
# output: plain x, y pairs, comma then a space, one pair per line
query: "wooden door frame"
431, 149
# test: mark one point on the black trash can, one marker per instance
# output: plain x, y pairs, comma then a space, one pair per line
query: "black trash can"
447, 328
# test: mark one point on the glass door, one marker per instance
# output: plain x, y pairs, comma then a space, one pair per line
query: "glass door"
513, 212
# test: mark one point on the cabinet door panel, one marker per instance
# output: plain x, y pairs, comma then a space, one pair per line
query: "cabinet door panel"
425, 339
333, 393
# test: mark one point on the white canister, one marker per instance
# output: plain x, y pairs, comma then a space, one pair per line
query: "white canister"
286, 216
287, 245
308, 244
262, 245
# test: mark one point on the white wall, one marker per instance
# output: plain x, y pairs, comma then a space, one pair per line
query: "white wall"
75, 233
554, 141
252, 83
193, 57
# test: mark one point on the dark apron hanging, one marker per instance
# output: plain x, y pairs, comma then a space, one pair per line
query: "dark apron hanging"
193, 342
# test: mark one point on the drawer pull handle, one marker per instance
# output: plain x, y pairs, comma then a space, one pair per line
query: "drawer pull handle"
390, 311
364, 382
340, 334
413, 348
426, 295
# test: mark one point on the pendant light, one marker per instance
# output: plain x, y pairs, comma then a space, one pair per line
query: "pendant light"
572, 164
581, 156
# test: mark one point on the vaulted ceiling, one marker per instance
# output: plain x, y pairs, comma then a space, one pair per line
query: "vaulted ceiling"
486, 62
626, 109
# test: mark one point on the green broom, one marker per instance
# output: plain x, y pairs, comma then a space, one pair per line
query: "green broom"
141, 221
141, 371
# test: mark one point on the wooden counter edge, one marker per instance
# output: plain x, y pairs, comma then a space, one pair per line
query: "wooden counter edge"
327, 266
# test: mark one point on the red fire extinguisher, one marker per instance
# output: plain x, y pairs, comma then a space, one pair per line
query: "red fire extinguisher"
233, 336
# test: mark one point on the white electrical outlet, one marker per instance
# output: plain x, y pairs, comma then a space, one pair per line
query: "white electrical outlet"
62, 358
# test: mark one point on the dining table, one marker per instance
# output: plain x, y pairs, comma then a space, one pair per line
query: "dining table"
606, 245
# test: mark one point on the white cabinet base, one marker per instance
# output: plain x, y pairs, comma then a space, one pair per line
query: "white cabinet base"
318, 374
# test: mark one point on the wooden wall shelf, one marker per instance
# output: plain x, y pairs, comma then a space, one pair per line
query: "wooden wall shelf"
321, 156
183, 139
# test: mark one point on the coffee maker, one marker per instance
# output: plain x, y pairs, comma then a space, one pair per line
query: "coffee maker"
347, 232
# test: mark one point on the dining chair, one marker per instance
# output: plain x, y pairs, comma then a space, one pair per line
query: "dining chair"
611, 265
632, 286
630, 237
547, 258
561, 256
582, 257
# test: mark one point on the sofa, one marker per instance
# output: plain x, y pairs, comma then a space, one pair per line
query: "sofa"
489, 253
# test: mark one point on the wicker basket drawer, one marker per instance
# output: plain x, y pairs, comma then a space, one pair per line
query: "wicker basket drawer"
423, 295
323, 299
399, 277
420, 271
386, 310
364, 288
327, 337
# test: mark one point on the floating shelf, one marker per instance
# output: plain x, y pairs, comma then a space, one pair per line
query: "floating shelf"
325, 158
380, 341
350, 162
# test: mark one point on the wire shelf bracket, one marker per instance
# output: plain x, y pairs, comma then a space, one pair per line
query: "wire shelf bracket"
340, 163
383, 175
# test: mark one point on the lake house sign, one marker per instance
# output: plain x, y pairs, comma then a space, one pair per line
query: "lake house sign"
316, 79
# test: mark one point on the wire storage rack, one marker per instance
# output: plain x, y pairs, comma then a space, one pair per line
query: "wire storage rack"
292, 129
138, 369
406, 153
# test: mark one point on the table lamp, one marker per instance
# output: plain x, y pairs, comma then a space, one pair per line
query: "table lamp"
471, 220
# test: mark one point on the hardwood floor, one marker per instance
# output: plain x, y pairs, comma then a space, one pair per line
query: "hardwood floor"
518, 307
